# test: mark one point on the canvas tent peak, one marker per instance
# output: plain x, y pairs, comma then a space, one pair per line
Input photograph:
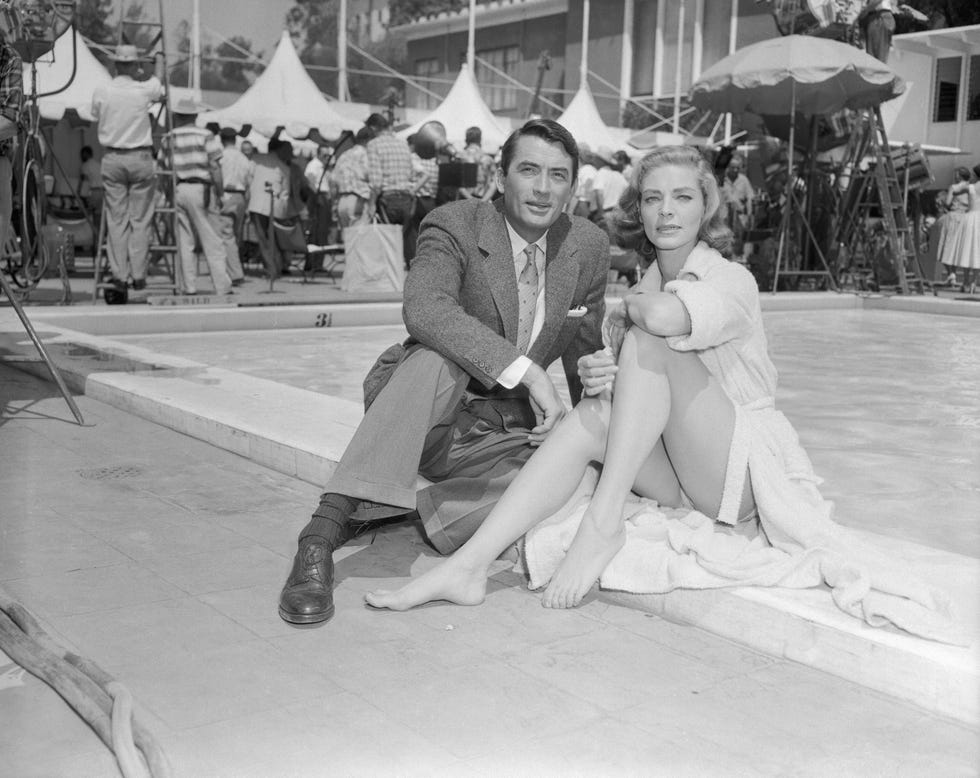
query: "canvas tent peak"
582, 119
283, 96
462, 108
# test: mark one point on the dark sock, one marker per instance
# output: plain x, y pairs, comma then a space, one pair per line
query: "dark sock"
332, 520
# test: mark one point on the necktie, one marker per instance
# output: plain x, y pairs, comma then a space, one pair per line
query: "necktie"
527, 295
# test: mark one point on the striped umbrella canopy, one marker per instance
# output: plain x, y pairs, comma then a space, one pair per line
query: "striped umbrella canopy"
796, 72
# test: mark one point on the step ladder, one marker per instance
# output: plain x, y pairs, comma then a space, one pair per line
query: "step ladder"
163, 251
872, 225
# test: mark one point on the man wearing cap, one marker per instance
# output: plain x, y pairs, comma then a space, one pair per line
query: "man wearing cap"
737, 197
317, 177
196, 155
877, 23
236, 175
11, 102
122, 108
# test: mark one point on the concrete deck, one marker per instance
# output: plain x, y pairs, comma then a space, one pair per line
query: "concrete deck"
885, 399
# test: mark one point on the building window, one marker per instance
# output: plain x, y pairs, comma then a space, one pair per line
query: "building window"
500, 95
973, 96
715, 30
947, 89
424, 70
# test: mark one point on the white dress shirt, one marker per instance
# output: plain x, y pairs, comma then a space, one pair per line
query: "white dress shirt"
122, 107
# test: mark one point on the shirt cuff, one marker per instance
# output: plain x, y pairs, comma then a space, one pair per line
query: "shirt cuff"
514, 372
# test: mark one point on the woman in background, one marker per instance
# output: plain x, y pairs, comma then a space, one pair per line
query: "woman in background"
964, 243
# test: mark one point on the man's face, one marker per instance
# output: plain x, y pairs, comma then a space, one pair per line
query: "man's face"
537, 186
248, 149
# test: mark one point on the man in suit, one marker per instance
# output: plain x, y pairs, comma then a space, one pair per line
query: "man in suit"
496, 293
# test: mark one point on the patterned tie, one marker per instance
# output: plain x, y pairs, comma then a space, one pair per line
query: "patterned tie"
527, 296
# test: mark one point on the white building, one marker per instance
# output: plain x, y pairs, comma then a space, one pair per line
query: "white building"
941, 106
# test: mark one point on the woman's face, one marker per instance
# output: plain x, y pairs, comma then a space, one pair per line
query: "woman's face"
672, 207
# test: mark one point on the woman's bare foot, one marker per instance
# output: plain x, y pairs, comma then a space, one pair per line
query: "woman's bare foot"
591, 551
446, 581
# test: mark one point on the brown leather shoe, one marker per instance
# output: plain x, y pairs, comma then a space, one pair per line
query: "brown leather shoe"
307, 597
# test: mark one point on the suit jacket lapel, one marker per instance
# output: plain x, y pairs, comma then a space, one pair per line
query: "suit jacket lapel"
494, 242
561, 277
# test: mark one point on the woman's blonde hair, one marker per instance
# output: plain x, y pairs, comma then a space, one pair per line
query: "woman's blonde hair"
628, 224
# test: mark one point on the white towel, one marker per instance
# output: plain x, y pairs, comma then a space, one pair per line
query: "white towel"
668, 549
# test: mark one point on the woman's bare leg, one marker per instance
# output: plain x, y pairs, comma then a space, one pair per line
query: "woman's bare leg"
660, 393
543, 485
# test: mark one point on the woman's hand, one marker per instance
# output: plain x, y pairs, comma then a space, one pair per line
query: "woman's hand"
659, 313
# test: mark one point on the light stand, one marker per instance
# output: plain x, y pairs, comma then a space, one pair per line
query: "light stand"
33, 28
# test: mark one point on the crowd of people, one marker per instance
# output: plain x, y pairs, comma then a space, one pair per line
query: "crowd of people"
235, 203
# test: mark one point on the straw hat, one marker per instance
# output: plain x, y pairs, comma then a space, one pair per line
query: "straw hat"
186, 106
126, 52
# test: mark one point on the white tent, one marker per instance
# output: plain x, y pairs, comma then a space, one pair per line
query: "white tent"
284, 96
581, 118
463, 108
76, 75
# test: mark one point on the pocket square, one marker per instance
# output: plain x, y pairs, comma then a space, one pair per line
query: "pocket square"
577, 313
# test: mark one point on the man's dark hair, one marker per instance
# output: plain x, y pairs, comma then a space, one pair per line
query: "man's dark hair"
86, 153
549, 131
364, 135
474, 135
377, 122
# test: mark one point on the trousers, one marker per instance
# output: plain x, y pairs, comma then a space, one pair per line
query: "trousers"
228, 223
195, 223
426, 420
128, 188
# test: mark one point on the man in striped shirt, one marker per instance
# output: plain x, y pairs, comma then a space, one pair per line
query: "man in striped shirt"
196, 155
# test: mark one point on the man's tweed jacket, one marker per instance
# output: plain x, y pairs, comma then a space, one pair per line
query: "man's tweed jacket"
460, 296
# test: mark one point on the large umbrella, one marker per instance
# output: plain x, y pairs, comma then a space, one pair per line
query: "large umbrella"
814, 76
796, 72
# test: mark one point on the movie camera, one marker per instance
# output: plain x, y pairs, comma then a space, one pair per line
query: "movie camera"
32, 26
431, 142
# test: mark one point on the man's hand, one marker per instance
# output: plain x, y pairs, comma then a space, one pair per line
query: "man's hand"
597, 372
546, 402
614, 328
